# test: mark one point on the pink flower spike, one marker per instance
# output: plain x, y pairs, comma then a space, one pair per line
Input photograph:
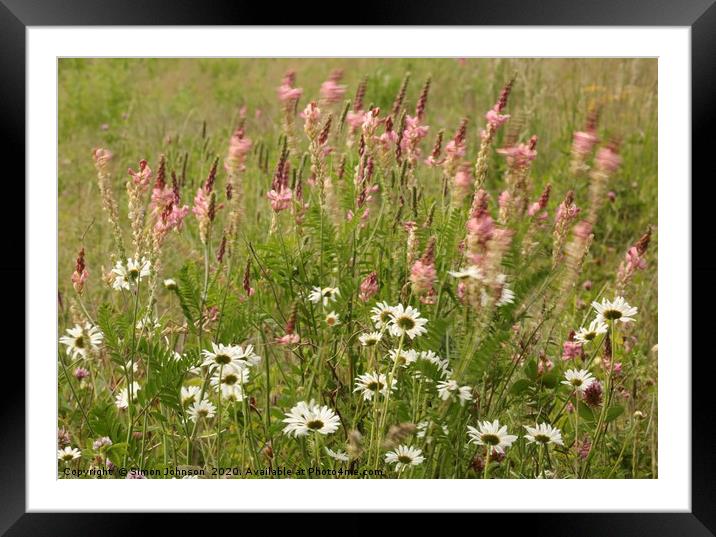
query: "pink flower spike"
280, 200
368, 287
495, 119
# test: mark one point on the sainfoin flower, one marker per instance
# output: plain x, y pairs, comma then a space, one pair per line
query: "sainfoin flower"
493, 435
615, 310
80, 275
369, 384
404, 456
142, 177
368, 287
544, 434
305, 418
82, 340
280, 200
571, 350
406, 321
287, 93
331, 90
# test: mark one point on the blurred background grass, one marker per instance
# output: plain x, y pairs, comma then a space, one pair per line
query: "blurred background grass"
140, 108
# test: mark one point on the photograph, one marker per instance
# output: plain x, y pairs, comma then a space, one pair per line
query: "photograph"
357, 268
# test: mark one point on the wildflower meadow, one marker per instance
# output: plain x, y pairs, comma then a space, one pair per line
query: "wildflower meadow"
357, 268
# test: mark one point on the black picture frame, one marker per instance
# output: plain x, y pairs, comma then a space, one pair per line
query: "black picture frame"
699, 15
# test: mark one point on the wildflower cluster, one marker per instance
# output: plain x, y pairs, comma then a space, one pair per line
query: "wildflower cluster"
366, 286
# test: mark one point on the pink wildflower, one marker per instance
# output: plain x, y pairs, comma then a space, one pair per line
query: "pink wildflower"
368, 287
331, 90
607, 159
423, 274
239, 147
287, 93
80, 275
495, 119
571, 350
355, 119
481, 228
280, 200
143, 176
519, 155
290, 338
583, 143
593, 394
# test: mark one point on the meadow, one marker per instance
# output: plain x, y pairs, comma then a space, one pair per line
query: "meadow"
357, 268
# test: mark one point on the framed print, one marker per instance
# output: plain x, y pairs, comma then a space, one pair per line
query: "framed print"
361, 269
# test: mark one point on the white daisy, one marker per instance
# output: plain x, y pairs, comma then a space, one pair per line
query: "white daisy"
407, 321
422, 430
404, 456
585, 335
121, 400
81, 341
231, 383
332, 319
68, 454
371, 383
443, 366
616, 310
507, 296
310, 417
324, 295
230, 355
578, 379
189, 395
337, 455
404, 357
491, 434
449, 388
544, 434
170, 284
382, 315
201, 409
148, 323
131, 273
472, 272
370, 338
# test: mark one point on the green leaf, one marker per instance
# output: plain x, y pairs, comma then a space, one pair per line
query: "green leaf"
531, 369
550, 379
519, 386
613, 413
586, 413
